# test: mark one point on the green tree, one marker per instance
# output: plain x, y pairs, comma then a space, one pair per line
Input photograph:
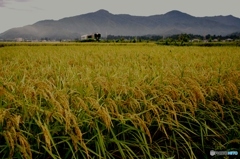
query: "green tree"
134, 40
183, 38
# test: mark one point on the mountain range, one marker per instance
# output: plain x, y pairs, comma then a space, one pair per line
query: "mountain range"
101, 21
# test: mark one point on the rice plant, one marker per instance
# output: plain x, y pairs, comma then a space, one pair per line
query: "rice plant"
118, 101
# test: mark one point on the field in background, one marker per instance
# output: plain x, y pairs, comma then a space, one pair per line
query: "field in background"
116, 101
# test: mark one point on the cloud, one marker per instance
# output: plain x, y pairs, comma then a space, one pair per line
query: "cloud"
26, 10
37, 8
3, 3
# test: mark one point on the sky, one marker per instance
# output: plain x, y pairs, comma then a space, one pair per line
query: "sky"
18, 13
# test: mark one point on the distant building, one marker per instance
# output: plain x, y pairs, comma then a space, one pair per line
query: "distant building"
229, 40
19, 39
85, 37
195, 40
94, 36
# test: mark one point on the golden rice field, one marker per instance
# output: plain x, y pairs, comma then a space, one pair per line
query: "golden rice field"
118, 101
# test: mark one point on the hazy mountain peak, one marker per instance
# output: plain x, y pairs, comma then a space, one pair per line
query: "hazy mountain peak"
174, 12
44, 21
102, 11
230, 16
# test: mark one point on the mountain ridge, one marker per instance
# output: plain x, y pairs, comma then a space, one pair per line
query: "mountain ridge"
106, 23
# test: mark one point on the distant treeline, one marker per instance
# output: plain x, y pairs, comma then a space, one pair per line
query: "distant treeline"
177, 37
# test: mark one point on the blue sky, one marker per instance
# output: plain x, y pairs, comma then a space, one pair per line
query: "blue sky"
17, 13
